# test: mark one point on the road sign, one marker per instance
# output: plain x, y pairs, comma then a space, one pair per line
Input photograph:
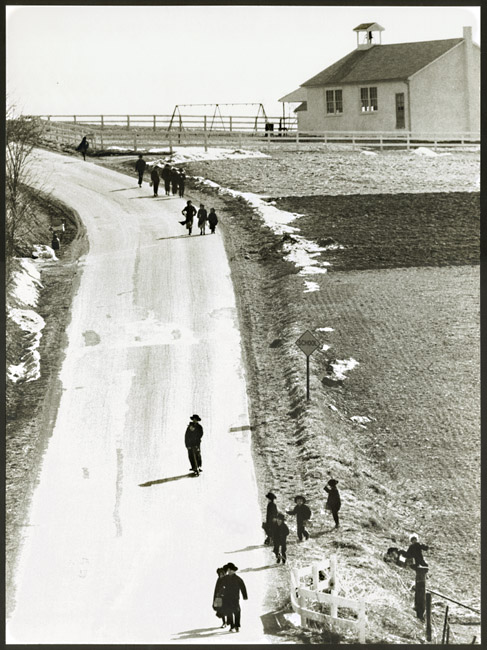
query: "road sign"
307, 343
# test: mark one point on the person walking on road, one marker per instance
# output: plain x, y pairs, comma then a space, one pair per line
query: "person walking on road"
174, 181
155, 178
166, 176
212, 220
188, 211
202, 218
233, 585
333, 503
271, 514
218, 596
192, 440
83, 147
415, 551
280, 533
182, 179
140, 166
303, 514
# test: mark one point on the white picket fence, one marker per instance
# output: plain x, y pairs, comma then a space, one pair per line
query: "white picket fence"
307, 589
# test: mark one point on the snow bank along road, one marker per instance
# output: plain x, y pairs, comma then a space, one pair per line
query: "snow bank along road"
123, 544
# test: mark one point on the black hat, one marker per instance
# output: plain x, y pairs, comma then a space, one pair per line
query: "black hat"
332, 482
269, 495
280, 516
299, 497
231, 566
195, 417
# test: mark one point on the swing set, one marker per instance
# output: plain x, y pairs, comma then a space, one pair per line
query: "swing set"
181, 122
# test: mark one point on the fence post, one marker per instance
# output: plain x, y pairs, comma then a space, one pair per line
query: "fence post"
420, 591
316, 576
128, 122
381, 146
170, 145
101, 138
297, 140
135, 141
428, 616
361, 623
155, 120
408, 141
230, 123
102, 121
445, 623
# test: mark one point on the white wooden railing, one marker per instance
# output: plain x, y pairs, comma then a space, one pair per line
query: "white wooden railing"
324, 592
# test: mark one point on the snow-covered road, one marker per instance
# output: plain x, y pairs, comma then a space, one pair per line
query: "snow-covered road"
123, 544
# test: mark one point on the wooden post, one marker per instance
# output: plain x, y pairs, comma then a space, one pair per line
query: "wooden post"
361, 623
135, 141
74, 118
102, 121
230, 123
128, 122
101, 138
307, 377
420, 591
297, 140
316, 576
334, 586
428, 616
408, 141
447, 640
155, 121
445, 623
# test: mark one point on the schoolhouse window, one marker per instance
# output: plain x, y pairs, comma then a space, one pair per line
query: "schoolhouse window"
334, 102
368, 99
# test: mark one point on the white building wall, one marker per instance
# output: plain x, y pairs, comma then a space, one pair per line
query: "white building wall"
440, 94
352, 118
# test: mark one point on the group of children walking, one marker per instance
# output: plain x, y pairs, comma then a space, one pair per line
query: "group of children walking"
174, 179
189, 212
276, 529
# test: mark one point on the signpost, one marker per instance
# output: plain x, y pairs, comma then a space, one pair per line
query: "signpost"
308, 344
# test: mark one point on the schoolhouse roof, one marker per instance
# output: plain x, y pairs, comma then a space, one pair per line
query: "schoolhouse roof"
382, 62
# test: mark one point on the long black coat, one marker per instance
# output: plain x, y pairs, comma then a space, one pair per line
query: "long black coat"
415, 551
302, 512
193, 435
280, 533
233, 585
270, 515
333, 502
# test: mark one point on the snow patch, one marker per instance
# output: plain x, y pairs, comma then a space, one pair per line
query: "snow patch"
425, 151
23, 289
44, 252
369, 153
341, 366
191, 154
325, 347
311, 286
360, 419
324, 329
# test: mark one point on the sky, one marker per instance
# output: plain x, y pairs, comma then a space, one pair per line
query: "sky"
143, 60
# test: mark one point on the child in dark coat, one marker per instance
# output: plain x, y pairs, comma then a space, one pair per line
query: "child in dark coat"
333, 503
280, 533
303, 513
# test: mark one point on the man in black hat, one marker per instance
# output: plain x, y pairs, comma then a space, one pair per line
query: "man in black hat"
280, 533
192, 440
270, 517
333, 503
232, 586
303, 513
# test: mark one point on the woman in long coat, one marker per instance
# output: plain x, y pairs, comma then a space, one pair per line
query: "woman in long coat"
218, 596
174, 180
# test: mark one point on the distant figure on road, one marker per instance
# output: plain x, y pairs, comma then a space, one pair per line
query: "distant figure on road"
188, 211
55, 243
83, 147
212, 220
280, 533
166, 176
192, 440
140, 166
415, 551
154, 175
303, 513
233, 585
333, 503
182, 179
271, 514
174, 180
202, 218
218, 596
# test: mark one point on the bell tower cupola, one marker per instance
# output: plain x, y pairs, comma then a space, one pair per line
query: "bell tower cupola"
368, 34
